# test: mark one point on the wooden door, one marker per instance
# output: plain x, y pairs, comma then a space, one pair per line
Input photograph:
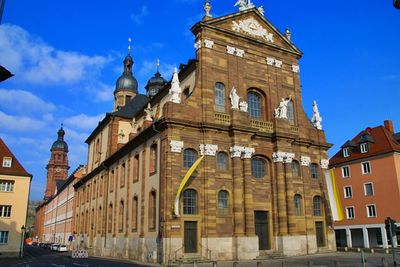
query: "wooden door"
190, 237
262, 229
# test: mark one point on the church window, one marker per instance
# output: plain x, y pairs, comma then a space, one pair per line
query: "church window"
219, 97
135, 171
298, 209
134, 213
153, 159
222, 161
295, 168
254, 102
258, 168
189, 157
152, 210
314, 170
317, 206
110, 218
123, 173
190, 201
121, 217
290, 112
223, 202
99, 221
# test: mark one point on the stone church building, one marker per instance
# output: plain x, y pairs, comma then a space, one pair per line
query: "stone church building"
221, 162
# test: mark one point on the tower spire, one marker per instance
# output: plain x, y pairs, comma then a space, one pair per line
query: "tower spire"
129, 45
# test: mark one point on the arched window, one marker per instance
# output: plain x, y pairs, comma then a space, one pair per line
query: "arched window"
134, 213
258, 167
99, 223
219, 97
295, 168
121, 217
222, 161
298, 210
254, 102
189, 157
152, 210
110, 218
314, 170
290, 112
223, 202
153, 159
317, 206
190, 201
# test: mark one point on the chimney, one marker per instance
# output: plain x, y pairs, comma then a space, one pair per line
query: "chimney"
389, 126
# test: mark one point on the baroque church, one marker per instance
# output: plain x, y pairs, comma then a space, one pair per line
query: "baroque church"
221, 162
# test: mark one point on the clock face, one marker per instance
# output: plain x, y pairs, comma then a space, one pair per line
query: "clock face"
58, 169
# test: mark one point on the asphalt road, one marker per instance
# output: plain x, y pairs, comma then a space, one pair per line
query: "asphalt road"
40, 257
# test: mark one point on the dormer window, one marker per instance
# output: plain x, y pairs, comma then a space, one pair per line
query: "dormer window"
7, 162
346, 152
364, 147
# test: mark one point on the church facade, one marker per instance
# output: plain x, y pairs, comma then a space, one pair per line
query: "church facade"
222, 162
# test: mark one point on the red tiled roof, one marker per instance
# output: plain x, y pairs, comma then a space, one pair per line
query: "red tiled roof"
16, 167
384, 142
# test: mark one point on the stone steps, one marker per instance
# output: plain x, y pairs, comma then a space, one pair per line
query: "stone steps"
268, 255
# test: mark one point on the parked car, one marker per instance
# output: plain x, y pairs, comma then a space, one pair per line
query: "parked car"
47, 245
62, 248
54, 247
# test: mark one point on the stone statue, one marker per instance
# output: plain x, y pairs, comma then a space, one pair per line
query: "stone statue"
175, 90
316, 118
243, 106
148, 112
281, 111
134, 125
241, 3
234, 98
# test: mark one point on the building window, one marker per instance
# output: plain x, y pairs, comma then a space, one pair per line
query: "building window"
110, 218
314, 170
223, 202
219, 97
135, 171
7, 162
99, 221
364, 147
368, 189
3, 237
290, 112
254, 108
222, 161
258, 167
346, 152
189, 157
123, 173
153, 159
348, 192
101, 186
5, 211
295, 168
152, 210
6, 186
298, 210
121, 217
97, 150
366, 167
317, 203
112, 181
371, 211
190, 201
134, 213
350, 213
345, 171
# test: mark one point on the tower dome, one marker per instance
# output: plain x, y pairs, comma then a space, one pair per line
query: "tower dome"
155, 83
60, 144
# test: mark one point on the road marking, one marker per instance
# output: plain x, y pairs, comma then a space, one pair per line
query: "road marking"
83, 265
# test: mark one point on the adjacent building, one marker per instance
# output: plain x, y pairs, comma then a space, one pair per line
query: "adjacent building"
220, 162
367, 172
15, 184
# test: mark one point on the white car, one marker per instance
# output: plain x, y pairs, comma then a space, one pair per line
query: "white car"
62, 248
54, 247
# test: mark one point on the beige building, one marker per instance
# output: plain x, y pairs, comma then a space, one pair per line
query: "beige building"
14, 195
221, 162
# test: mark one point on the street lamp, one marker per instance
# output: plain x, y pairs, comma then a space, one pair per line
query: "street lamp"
21, 248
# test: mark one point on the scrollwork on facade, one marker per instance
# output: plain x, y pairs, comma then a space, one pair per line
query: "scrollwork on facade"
208, 43
305, 161
285, 157
230, 50
208, 149
236, 151
197, 45
252, 27
324, 164
176, 146
239, 52
296, 68
248, 152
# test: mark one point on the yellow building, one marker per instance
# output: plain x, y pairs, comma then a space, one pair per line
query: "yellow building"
14, 194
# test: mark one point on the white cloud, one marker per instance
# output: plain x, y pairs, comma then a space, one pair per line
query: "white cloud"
36, 62
138, 18
23, 102
83, 122
20, 123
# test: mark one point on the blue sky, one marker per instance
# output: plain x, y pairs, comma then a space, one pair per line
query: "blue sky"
67, 55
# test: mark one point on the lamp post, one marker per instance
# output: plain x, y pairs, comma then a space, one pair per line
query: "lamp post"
21, 248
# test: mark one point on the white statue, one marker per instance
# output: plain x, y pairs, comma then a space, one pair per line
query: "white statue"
148, 112
175, 90
261, 10
243, 106
281, 111
316, 118
134, 125
242, 4
234, 98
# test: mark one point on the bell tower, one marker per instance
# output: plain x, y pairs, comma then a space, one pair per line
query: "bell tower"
57, 168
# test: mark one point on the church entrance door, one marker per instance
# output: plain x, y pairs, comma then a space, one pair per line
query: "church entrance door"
262, 229
190, 237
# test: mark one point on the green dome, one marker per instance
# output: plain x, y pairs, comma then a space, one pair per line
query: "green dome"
60, 144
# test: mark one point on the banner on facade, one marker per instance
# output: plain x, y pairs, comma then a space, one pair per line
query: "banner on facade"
333, 194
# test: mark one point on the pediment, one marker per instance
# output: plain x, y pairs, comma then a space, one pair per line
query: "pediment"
253, 25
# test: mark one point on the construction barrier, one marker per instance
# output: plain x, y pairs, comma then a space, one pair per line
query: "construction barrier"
80, 254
